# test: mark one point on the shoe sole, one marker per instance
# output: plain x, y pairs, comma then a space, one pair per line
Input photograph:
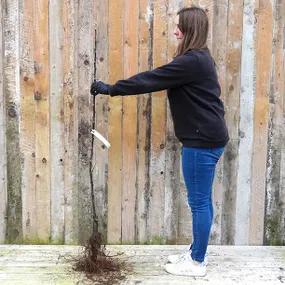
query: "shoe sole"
175, 262
183, 274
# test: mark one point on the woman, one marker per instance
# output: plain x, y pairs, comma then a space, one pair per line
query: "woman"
193, 92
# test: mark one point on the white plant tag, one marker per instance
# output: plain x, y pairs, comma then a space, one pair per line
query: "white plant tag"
101, 138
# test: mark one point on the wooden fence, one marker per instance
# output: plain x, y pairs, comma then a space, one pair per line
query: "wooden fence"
50, 168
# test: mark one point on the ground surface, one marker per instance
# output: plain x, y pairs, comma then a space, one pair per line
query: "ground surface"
41, 264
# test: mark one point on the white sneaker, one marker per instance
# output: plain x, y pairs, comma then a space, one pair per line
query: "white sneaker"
187, 268
186, 256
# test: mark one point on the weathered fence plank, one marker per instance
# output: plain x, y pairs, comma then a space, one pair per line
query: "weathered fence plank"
114, 219
42, 118
129, 124
261, 111
219, 26
144, 113
56, 121
247, 97
172, 145
70, 89
3, 157
12, 101
85, 69
275, 194
158, 127
232, 109
101, 154
27, 124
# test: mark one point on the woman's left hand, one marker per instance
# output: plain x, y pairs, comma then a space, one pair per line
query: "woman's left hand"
99, 87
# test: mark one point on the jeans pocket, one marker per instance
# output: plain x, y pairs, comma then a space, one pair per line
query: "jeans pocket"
218, 151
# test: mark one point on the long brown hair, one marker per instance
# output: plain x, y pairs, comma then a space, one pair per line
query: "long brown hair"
194, 24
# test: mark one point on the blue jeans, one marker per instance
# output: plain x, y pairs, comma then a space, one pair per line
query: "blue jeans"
198, 165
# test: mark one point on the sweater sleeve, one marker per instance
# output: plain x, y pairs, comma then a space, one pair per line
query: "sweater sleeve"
180, 71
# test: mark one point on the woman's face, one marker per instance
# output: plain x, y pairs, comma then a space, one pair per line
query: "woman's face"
177, 32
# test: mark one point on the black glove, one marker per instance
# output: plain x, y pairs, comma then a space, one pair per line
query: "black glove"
99, 87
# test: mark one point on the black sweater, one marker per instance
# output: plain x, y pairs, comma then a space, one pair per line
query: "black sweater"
193, 92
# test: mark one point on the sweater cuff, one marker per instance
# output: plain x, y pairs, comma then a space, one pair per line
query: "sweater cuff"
111, 89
